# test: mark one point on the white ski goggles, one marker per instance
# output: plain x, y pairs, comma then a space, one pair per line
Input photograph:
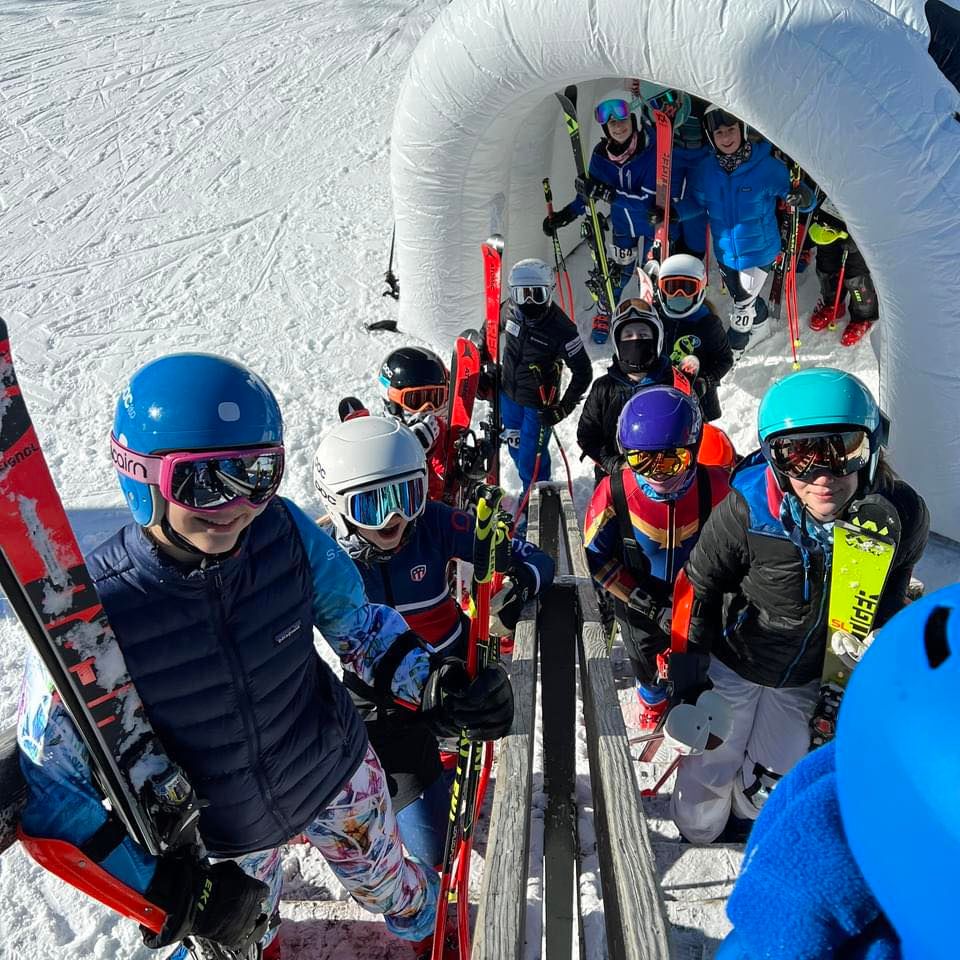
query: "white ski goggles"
375, 506
537, 295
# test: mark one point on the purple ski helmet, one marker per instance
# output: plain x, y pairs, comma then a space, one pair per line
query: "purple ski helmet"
659, 418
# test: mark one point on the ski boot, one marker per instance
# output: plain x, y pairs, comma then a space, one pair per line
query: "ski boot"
601, 328
653, 702
822, 316
856, 330
823, 723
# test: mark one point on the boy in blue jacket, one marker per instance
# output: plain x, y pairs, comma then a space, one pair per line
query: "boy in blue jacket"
213, 593
738, 186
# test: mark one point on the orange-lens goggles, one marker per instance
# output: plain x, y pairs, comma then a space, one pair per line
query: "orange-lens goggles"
418, 399
659, 464
680, 286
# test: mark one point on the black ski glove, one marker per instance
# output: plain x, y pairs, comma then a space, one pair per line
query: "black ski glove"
589, 188
688, 675
801, 196
611, 464
560, 218
552, 415
452, 702
523, 586
655, 216
216, 901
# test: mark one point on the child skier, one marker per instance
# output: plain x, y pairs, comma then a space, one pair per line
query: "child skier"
402, 550
695, 337
840, 264
644, 520
820, 877
623, 173
738, 188
213, 592
761, 574
538, 340
638, 361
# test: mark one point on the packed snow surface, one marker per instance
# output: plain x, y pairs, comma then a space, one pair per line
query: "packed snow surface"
213, 176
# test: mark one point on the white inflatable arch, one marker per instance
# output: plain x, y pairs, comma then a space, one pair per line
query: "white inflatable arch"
844, 86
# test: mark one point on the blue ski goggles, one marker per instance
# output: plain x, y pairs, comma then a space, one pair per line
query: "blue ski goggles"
608, 110
374, 507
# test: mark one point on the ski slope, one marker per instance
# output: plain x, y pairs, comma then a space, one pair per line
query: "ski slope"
214, 176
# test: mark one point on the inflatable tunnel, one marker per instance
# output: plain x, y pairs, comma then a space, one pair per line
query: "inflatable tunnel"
846, 87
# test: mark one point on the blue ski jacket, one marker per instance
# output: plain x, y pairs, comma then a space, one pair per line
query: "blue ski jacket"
741, 206
800, 893
223, 657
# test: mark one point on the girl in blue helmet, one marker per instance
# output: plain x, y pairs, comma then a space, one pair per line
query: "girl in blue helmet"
761, 573
824, 875
644, 520
214, 592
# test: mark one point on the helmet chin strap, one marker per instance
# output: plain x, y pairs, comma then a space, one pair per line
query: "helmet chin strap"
182, 543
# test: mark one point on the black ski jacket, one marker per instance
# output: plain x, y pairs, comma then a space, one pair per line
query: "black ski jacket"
532, 355
761, 598
597, 429
710, 347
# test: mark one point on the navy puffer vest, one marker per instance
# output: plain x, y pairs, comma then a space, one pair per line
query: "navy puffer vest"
224, 661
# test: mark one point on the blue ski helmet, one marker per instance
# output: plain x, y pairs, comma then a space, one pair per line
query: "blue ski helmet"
896, 751
658, 418
191, 401
815, 400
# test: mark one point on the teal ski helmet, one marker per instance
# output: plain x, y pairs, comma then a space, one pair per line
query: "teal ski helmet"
896, 751
190, 401
814, 400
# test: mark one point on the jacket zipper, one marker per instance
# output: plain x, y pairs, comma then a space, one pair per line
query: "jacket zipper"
806, 596
246, 713
671, 539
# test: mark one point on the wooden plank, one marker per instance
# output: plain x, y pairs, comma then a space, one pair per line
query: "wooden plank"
501, 915
573, 537
633, 903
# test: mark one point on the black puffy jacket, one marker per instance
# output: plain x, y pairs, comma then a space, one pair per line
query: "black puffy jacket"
532, 355
762, 600
708, 344
597, 429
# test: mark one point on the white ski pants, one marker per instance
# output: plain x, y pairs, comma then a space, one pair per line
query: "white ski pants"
770, 734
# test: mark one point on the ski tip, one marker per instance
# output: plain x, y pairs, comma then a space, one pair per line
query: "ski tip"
495, 240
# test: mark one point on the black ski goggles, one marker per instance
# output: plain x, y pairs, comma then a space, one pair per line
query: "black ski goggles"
804, 456
714, 119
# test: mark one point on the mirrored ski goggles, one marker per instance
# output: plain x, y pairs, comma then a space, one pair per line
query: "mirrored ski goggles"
374, 507
207, 481
633, 309
537, 295
608, 110
419, 399
667, 101
659, 465
688, 287
803, 456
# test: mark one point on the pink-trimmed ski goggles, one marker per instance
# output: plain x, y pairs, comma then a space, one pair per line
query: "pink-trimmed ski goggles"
207, 481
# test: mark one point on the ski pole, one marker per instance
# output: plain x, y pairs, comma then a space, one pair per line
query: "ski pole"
790, 266
836, 300
558, 259
393, 282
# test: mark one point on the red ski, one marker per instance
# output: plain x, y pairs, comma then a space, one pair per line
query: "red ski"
464, 383
492, 273
660, 249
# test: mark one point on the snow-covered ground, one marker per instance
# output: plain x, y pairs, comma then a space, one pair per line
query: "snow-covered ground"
214, 176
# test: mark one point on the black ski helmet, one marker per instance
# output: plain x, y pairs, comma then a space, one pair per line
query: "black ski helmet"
413, 378
715, 116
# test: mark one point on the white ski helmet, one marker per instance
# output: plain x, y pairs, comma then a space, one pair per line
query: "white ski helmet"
367, 470
531, 286
681, 285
